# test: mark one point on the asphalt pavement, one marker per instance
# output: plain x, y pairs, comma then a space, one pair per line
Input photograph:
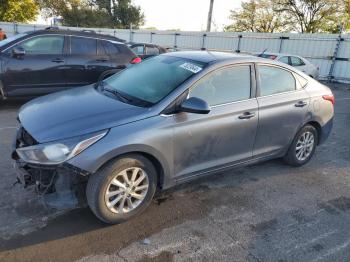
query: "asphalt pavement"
265, 212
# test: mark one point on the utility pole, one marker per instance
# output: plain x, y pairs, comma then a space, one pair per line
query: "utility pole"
210, 14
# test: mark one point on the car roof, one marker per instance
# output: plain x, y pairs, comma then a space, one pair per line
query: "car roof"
210, 56
133, 44
86, 33
141, 43
226, 57
277, 54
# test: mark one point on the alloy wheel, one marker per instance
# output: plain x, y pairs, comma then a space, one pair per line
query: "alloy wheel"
127, 190
304, 146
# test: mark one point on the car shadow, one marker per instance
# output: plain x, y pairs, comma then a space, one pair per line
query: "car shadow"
166, 210
169, 208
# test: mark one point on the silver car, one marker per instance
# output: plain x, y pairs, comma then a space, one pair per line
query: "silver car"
168, 120
299, 62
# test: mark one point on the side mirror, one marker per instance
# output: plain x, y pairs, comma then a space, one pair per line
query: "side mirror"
195, 105
18, 52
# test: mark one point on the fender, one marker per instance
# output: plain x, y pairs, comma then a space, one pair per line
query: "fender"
166, 176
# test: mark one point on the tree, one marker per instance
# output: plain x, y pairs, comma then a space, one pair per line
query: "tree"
95, 13
347, 14
18, 11
123, 13
257, 16
312, 16
85, 17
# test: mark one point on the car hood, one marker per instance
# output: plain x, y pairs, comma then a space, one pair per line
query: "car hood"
76, 112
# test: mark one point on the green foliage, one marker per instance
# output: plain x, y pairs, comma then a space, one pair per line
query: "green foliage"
126, 14
94, 13
18, 11
256, 16
312, 16
85, 17
304, 16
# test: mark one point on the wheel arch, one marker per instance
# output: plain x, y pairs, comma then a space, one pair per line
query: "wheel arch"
160, 165
318, 128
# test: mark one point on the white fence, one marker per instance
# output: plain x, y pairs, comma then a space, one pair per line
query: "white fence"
320, 49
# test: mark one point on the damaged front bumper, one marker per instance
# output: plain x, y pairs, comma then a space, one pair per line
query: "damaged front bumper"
45, 177
62, 181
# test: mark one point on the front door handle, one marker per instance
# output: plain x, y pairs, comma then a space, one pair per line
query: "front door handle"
246, 115
57, 60
300, 104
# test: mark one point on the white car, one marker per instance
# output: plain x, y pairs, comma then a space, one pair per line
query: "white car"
298, 62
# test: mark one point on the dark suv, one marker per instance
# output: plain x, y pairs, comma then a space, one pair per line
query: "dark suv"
45, 61
145, 50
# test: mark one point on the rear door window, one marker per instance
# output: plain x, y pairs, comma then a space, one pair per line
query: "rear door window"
274, 80
83, 46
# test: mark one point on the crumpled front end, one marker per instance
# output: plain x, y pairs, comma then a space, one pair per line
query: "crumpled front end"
62, 185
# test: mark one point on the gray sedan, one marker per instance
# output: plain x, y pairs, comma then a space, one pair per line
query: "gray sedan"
167, 120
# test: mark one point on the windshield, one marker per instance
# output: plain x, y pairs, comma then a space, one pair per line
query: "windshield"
155, 78
10, 39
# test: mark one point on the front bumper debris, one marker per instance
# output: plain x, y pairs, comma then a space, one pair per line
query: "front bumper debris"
60, 185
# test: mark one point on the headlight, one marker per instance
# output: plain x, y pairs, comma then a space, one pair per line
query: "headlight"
57, 152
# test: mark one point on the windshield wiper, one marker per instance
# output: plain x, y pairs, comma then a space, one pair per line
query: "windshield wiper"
124, 97
117, 94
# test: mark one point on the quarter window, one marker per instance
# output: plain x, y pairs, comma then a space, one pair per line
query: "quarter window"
224, 85
83, 46
44, 45
274, 80
138, 49
110, 48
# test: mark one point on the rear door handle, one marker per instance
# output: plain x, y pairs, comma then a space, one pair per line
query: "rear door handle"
246, 115
57, 60
300, 104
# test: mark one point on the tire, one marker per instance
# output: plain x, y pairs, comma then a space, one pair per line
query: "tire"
104, 181
292, 157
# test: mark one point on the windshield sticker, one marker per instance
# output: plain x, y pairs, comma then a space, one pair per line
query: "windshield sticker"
191, 67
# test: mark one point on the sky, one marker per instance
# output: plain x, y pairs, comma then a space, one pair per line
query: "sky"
186, 15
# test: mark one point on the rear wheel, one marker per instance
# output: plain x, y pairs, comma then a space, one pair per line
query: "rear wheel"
303, 146
122, 189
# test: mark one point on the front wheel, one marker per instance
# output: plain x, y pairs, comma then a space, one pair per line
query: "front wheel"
303, 146
122, 188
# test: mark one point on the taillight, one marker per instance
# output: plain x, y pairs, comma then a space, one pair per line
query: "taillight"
136, 60
329, 98
273, 57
